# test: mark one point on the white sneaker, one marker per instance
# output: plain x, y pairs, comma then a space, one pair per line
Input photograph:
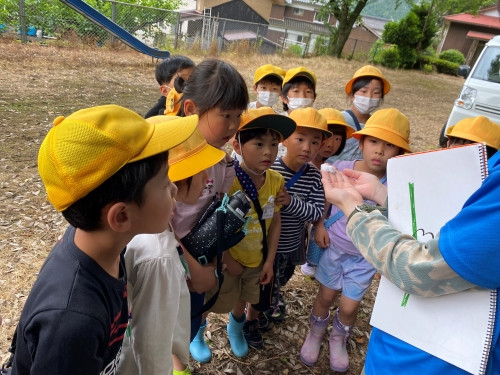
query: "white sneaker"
308, 270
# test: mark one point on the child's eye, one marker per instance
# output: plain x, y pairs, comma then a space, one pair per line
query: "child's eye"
274, 144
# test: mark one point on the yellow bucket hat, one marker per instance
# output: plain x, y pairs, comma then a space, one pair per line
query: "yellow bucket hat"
310, 118
268, 70
86, 148
335, 117
477, 129
300, 71
367, 71
389, 125
190, 157
265, 117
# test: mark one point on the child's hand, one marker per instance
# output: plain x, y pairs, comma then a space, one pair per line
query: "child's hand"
283, 198
321, 236
233, 267
266, 275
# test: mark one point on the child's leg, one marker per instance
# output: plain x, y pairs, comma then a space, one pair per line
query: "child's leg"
237, 319
179, 367
320, 314
198, 348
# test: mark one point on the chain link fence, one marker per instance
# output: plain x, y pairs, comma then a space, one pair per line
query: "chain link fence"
167, 30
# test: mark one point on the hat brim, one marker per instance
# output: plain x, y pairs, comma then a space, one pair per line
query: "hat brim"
384, 134
195, 163
348, 86
167, 135
326, 133
279, 123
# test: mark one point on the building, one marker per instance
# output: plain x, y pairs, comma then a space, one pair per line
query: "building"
469, 33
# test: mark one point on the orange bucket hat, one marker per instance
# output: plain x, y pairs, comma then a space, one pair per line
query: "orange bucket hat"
335, 117
367, 71
310, 118
477, 129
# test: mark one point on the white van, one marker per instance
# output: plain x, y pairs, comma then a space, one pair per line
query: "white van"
480, 95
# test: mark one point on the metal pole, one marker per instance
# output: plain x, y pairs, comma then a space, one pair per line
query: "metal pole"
113, 18
22, 18
177, 30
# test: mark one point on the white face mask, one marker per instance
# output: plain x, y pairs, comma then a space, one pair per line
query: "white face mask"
267, 98
294, 103
365, 105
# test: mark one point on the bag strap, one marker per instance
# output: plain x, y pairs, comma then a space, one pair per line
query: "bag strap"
250, 189
296, 176
356, 122
12, 349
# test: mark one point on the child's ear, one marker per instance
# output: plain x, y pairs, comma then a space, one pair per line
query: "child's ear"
285, 142
284, 99
190, 108
164, 90
255, 88
118, 217
236, 146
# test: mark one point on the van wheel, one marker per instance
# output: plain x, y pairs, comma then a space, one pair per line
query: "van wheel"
443, 140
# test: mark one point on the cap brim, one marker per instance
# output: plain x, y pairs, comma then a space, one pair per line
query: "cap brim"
385, 135
167, 135
282, 124
348, 86
326, 133
195, 163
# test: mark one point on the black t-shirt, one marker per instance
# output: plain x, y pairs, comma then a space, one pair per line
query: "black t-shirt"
158, 108
75, 316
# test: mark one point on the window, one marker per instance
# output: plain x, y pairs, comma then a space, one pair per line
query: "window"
299, 38
298, 12
321, 18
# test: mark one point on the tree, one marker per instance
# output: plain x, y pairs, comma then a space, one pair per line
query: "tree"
347, 13
446, 7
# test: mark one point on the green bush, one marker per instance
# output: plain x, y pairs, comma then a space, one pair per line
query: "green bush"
446, 67
390, 58
408, 56
295, 49
427, 68
376, 51
320, 46
452, 55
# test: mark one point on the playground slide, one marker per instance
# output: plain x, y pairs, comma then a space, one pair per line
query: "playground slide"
104, 22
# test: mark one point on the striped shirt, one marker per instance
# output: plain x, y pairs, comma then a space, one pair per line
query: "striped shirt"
306, 205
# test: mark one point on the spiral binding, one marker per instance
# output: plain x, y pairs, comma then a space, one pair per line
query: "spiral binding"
489, 332
483, 156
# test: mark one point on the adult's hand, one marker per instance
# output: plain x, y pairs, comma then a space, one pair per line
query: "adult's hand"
340, 191
368, 185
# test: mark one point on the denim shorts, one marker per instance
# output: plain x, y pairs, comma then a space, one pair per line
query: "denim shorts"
348, 273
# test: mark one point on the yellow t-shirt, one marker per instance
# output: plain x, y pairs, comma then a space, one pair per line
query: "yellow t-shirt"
248, 251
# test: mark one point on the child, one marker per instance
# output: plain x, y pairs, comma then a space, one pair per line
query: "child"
105, 168
157, 288
366, 91
267, 83
475, 129
217, 93
330, 146
342, 268
299, 89
166, 73
302, 199
250, 262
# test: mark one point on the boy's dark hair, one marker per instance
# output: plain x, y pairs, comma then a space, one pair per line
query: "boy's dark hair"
126, 185
213, 83
271, 79
363, 81
455, 141
246, 135
168, 67
294, 82
339, 130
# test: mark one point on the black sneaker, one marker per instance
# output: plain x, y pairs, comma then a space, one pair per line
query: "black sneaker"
252, 334
264, 325
274, 315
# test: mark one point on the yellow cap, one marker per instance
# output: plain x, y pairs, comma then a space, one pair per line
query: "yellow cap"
477, 129
367, 71
190, 157
300, 71
268, 70
310, 118
389, 125
335, 117
86, 148
173, 102
265, 117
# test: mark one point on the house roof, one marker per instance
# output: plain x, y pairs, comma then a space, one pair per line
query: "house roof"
480, 36
374, 24
479, 20
308, 27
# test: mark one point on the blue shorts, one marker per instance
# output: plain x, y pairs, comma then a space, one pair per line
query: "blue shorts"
351, 274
